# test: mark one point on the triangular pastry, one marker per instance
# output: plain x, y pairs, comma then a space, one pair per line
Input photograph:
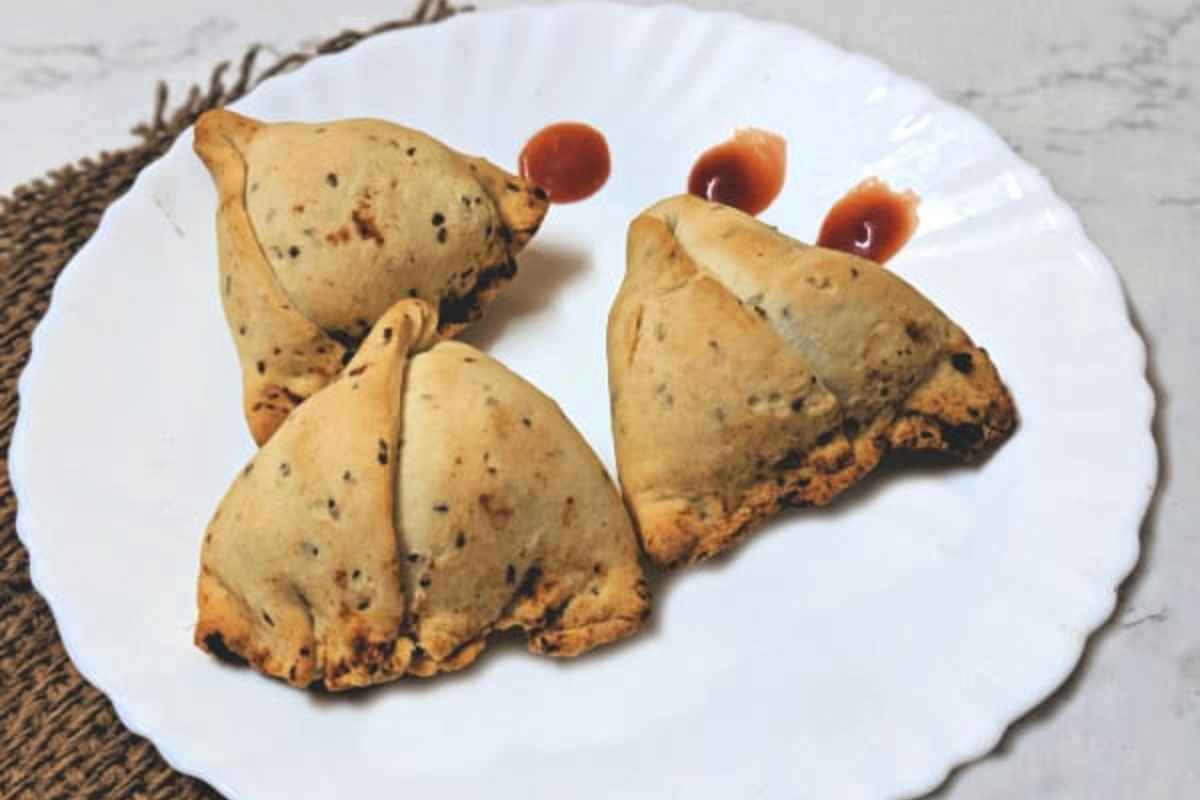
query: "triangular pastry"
421, 501
322, 227
750, 372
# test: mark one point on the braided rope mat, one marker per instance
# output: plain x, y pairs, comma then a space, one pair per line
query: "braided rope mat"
59, 736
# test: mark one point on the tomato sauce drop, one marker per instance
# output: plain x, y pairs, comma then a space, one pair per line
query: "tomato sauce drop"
745, 172
871, 221
569, 160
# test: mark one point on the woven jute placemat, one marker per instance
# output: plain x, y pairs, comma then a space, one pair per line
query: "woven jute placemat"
59, 736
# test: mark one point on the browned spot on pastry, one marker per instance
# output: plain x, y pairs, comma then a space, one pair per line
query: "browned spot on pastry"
359, 370
498, 514
791, 460
529, 581
962, 362
568, 515
364, 223
339, 578
843, 458
339, 236
915, 331
332, 180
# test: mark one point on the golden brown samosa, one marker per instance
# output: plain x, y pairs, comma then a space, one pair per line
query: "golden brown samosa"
322, 227
749, 372
421, 501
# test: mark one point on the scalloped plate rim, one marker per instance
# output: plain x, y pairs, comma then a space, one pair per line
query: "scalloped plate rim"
1071, 226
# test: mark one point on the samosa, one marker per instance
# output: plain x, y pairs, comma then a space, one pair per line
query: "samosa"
750, 372
322, 227
424, 499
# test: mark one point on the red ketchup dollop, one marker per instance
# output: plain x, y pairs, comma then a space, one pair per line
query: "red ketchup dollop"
569, 160
745, 172
871, 221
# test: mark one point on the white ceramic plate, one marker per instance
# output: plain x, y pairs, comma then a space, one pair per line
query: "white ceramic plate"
855, 653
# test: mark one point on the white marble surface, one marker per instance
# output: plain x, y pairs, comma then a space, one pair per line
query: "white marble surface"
1102, 95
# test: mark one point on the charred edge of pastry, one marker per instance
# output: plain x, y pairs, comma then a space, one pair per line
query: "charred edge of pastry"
543, 636
463, 655
963, 440
549, 638
548, 623
799, 479
802, 479
376, 658
456, 311
215, 643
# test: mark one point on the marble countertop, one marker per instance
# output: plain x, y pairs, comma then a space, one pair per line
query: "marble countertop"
1102, 95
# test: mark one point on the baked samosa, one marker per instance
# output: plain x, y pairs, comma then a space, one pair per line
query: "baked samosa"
322, 227
749, 372
424, 499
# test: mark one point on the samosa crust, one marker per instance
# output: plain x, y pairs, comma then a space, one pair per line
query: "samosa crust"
423, 500
322, 227
750, 372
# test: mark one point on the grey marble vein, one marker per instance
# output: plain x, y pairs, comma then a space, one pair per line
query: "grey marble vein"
28, 69
1146, 77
